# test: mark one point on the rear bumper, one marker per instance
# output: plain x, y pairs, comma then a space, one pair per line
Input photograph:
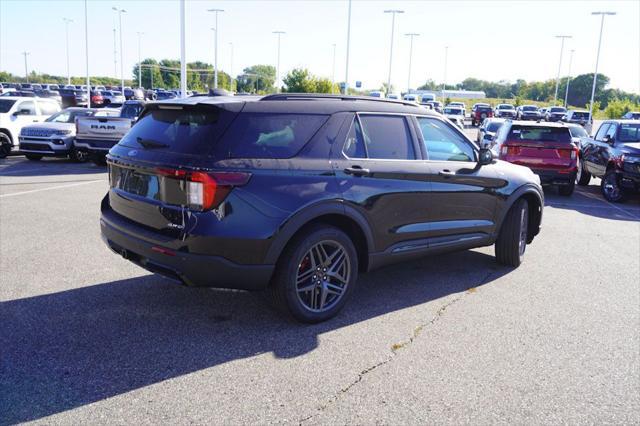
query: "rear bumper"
190, 269
555, 177
97, 145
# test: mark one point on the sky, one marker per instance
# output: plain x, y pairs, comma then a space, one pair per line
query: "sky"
489, 40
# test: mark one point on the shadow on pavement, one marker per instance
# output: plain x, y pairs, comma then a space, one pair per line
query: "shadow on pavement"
20, 167
588, 200
68, 349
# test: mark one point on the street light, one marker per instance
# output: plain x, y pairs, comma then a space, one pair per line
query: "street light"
183, 49
215, 48
86, 51
231, 67
26, 70
444, 85
120, 12
566, 92
393, 27
346, 72
411, 36
279, 33
140, 34
595, 75
562, 37
333, 68
115, 50
67, 21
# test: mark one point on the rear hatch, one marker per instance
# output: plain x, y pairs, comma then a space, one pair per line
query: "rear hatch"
159, 173
539, 147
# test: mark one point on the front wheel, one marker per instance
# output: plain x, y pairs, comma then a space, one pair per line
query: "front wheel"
610, 187
567, 190
583, 177
512, 240
315, 275
79, 156
5, 145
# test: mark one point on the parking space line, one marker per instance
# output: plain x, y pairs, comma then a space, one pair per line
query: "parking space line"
49, 188
593, 197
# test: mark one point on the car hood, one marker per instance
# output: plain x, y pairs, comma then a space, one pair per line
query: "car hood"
46, 129
631, 148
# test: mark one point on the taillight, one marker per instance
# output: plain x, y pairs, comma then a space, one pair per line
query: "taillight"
568, 153
206, 190
509, 150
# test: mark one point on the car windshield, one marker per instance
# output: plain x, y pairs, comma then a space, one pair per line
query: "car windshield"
578, 132
67, 116
629, 132
493, 126
6, 104
540, 133
453, 111
558, 109
505, 106
580, 115
529, 108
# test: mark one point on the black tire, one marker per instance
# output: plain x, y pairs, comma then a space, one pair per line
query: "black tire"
99, 160
79, 156
283, 289
582, 177
33, 157
567, 190
5, 145
511, 243
610, 187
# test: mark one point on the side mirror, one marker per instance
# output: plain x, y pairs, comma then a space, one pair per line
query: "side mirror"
486, 157
608, 139
22, 112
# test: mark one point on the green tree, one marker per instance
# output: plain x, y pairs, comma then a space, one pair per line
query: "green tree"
324, 85
299, 80
257, 79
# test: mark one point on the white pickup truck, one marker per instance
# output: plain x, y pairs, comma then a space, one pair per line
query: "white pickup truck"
96, 135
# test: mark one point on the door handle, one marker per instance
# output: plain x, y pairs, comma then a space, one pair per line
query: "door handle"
446, 173
357, 171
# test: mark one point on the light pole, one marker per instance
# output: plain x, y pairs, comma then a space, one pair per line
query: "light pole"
215, 48
346, 72
333, 68
411, 36
115, 50
183, 50
566, 92
26, 70
444, 85
120, 12
140, 34
595, 75
393, 27
231, 67
67, 21
562, 37
86, 51
279, 33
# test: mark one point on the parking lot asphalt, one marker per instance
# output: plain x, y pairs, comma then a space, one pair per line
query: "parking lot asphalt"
86, 337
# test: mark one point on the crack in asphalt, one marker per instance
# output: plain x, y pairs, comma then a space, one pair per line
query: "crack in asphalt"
397, 346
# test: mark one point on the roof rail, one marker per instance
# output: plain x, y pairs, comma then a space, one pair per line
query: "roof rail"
328, 96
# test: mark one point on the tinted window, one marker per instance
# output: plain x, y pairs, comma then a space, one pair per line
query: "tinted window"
264, 135
539, 133
48, 108
483, 109
189, 130
354, 145
557, 109
5, 105
443, 143
131, 110
629, 133
602, 131
580, 115
529, 108
493, 126
578, 132
387, 137
453, 111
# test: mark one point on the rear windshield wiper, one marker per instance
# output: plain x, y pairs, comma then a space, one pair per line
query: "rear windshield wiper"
148, 143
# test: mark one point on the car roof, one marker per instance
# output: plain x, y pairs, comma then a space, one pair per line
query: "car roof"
306, 103
623, 121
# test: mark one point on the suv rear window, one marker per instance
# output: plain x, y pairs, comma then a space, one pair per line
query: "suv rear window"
629, 133
539, 133
269, 135
580, 115
483, 109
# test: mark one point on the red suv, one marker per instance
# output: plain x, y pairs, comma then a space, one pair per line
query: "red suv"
479, 113
546, 148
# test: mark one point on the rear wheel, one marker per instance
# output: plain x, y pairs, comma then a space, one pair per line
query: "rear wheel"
567, 190
512, 240
582, 176
315, 275
5, 145
610, 187
33, 157
79, 156
99, 159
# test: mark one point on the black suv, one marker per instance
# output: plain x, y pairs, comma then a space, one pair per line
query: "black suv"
297, 194
614, 156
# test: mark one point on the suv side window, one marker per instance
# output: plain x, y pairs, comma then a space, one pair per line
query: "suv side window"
29, 105
47, 108
354, 145
601, 132
613, 129
443, 143
386, 137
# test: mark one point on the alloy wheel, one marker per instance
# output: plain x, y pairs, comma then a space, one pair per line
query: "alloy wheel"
524, 222
611, 187
323, 276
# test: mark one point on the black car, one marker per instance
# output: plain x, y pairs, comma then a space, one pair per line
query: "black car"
298, 194
614, 156
73, 97
528, 112
555, 113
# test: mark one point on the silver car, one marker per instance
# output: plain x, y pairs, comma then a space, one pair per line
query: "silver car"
113, 98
